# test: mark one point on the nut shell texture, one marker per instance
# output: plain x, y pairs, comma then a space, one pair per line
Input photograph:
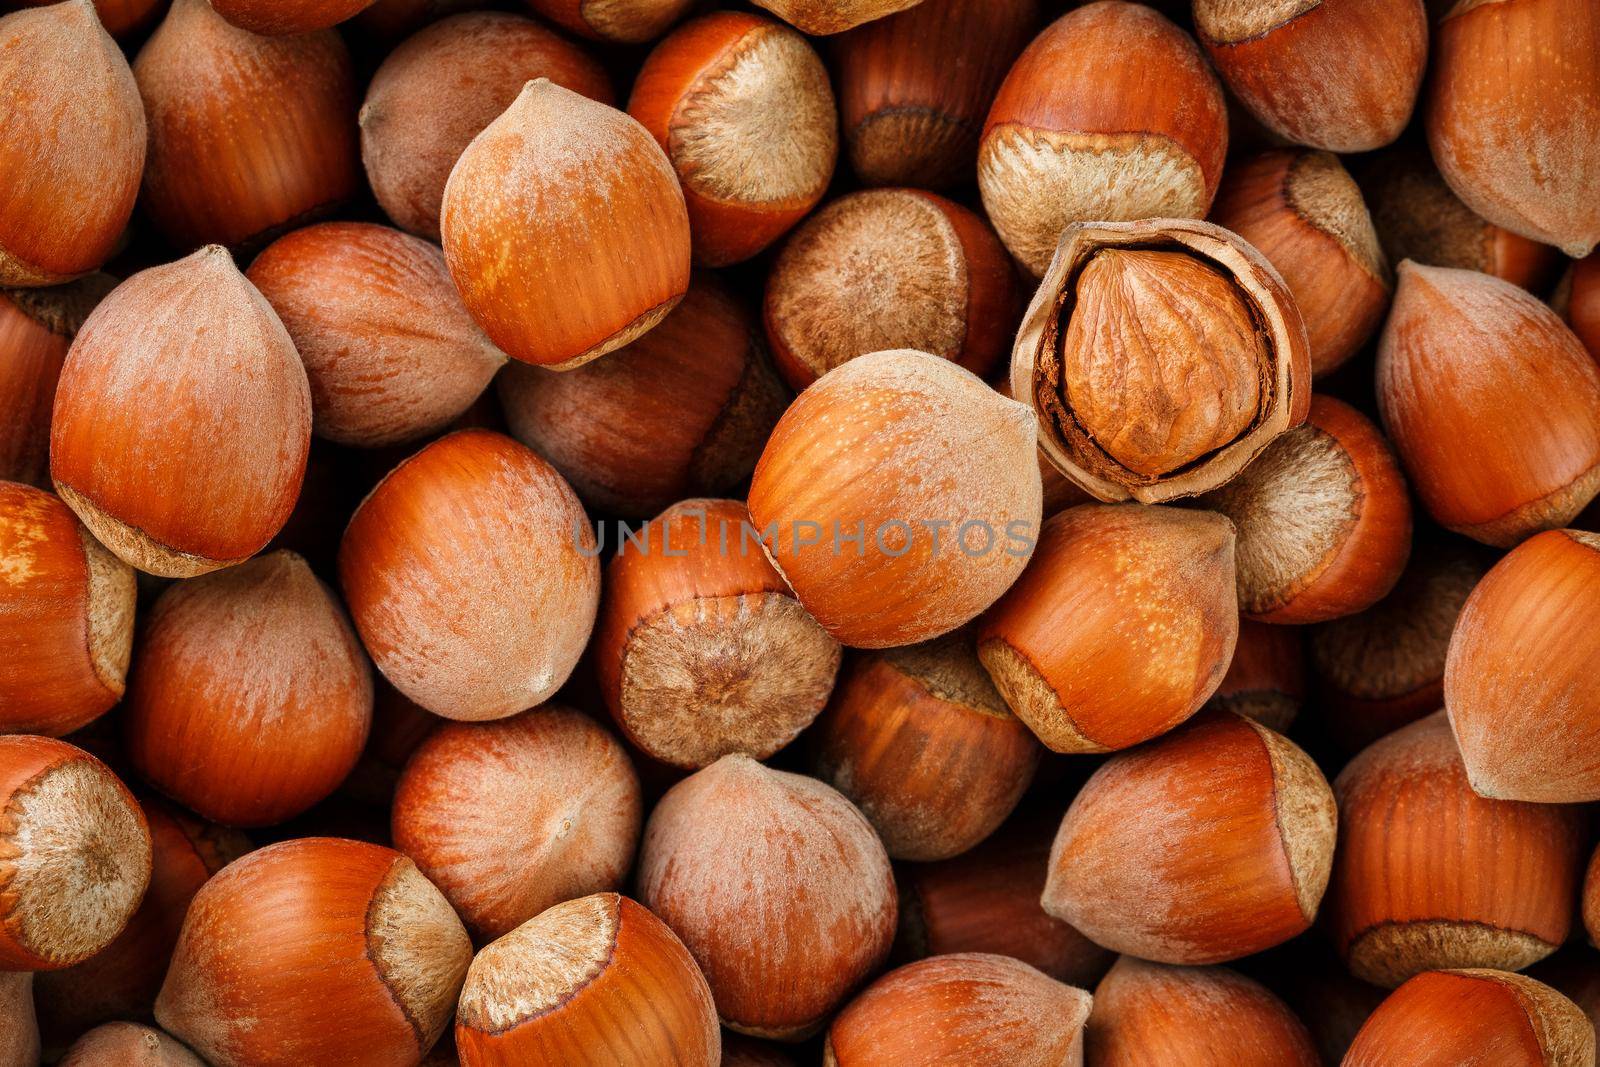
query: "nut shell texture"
278, 17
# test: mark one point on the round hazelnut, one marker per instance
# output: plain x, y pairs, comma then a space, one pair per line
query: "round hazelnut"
283, 17
1579, 302
832, 16
741, 1051
128, 1045
616, 21
19, 1041
1266, 679
778, 886
597, 979
887, 269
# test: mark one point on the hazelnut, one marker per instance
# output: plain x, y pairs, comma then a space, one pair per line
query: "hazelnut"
72, 144
250, 699
1466, 365
561, 188
476, 550
698, 394
1323, 519
1579, 302
778, 886
513, 817
701, 648
1266, 679
1512, 108
617, 21
1428, 875
1147, 1013
1449, 1018
597, 979
832, 16
390, 352
1207, 845
249, 135
420, 114
1121, 627
1304, 212
19, 1041
66, 617
1340, 75
886, 269
317, 950
283, 17
76, 854
742, 107
128, 1045
1111, 114
1161, 357
399, 727
121, 18
969, 1008
930, 471
911, 117
920, 740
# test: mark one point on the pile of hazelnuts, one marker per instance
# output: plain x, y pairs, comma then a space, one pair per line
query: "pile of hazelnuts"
881, 533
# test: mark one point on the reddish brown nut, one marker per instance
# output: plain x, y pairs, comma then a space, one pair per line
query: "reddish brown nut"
1266, 679
910, 116
1428, 875
248, 135
779, 887
565, 229
1080, 133
250, 699
698, 394
513, 817
74, 854
282, 17
19, 1041
832, 16
1210, 844
475, 550
121, 18
1121, 627
1147, 1013
617, 21
1161, 357
885, 269
701, 648
1323, 519
128, 1045
593, 980
971, 1008
66, 617
1340, 75
390, 352
1512, 110
742, 107
421, 113
1449, 1018
1579, 302
1304, 212
1468, 364
72, 144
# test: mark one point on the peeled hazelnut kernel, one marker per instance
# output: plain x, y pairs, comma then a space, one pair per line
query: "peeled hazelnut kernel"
420, 115
1120, 629
476, 550
1147, 1013
1161, 357
303, 932
1304, 212
936, 473
1266, 679
910, 116
561, 188
1340, 75
1466, 365
1212, 843
67, 607
1579, 302
698, 392
888, 269
19, 1042
969, 1008
249, 135
597, 979
1428, 875
832, 16
1448, 1018
1519, 682
390, 352
778, 886
1512, 109
701, 648
1080, 133
617, 21
128, 1045
920, 740
742, 107
283, 17
74, 854
513, 817
72, 144
251, 698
